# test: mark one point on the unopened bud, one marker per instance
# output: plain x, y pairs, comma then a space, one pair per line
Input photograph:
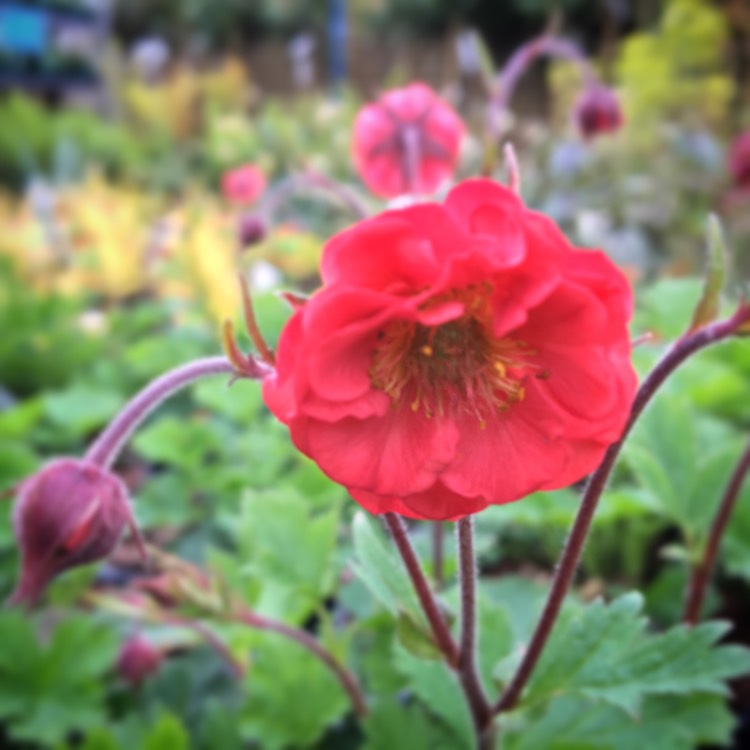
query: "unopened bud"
138, 660
68, 514
739, 161
598, 111
251, 230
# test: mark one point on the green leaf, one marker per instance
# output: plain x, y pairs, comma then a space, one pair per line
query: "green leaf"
438, 688
49, 689
394, 724
178, 442
80, 410
666, 723
288, 550
382, 572
167, 734
605, 653
707, 308
291, 697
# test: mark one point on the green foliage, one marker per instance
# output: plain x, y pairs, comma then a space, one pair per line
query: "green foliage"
605, 653
666, 722
287, 548
291, 697
52, 685
676, 71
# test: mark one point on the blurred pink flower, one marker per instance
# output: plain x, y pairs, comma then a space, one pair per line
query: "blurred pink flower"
407, 141
243, 185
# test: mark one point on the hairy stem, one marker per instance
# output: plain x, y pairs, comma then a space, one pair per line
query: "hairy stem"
437, 553
440, 631
571, 554
467, 655
701, 573
347, 680
107, 446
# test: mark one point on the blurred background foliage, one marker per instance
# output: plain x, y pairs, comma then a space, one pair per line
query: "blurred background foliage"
118, 260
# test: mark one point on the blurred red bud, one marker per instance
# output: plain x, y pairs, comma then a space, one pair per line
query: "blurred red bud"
598, 111
739, 161
68, 514
138, 660
251, 230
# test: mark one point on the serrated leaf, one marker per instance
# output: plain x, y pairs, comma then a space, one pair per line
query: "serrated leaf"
394, 723
707, 308
288, 549
438, 688
380, 570
49, 689
605, 653
291, 697
667, 723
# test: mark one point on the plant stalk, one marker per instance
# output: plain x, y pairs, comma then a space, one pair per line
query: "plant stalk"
701, 573
683, 348
110, 442
440, 631
346, 679
467, 655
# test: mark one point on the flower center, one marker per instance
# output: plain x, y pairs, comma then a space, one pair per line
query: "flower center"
456, 367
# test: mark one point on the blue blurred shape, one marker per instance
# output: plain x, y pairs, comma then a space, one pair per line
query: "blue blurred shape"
23, 30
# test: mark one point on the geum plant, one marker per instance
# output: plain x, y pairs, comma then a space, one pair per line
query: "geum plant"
459, 354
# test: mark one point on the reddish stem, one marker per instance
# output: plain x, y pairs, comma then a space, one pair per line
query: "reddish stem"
437, 553
467, 657
106, 447
568, 564
440, 631
701, 573
520, 62
343, 675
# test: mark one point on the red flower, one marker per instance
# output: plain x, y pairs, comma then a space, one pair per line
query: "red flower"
457, 356
598, 111
407, 141
68, 514
739, 161
243, 185
138, 660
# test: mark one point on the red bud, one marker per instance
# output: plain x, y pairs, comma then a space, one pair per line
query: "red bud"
138, 660
598, 111
68, 514
251, 230
739, 161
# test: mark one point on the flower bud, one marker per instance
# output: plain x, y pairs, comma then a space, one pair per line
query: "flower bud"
138, 659
251, 230
739, 161
597, 111
68, 514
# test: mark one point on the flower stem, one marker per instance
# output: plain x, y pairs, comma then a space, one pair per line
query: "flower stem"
107, 446
347, 680
311, 180
701, 573
467, 655
437, 553
519, 63
442, 635
682, 349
